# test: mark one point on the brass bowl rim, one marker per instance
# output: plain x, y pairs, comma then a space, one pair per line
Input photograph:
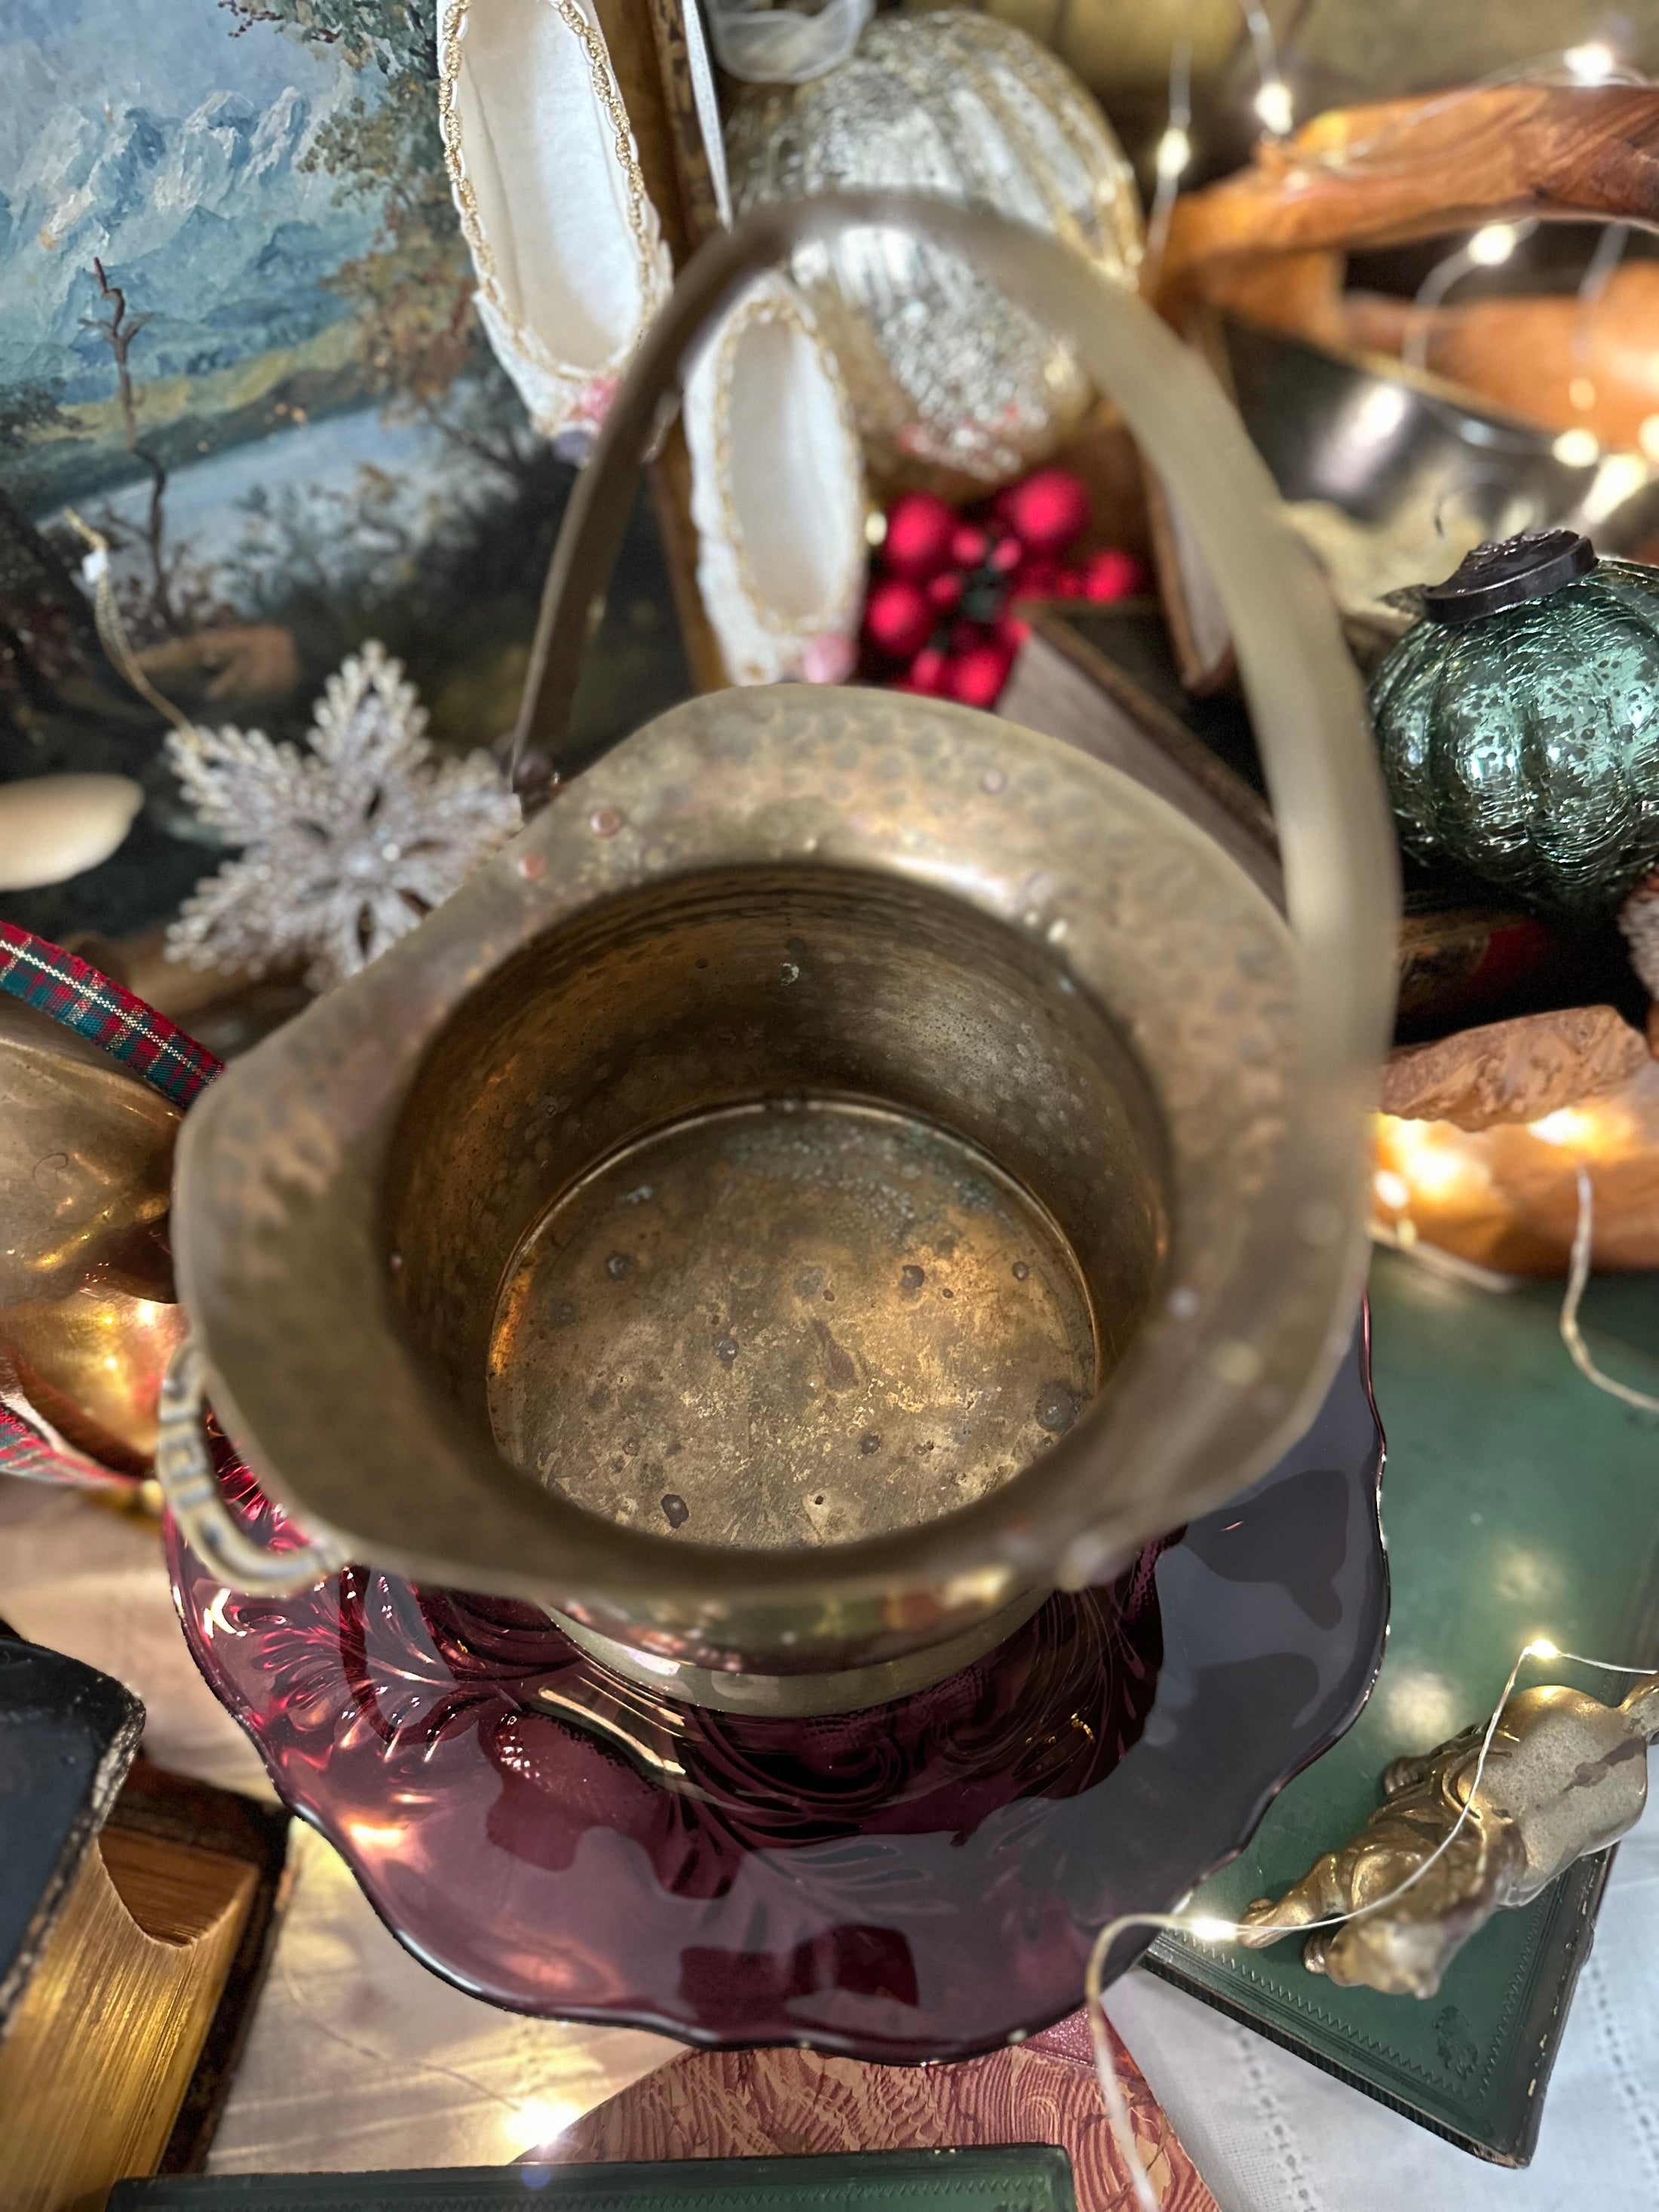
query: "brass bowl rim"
224, 1228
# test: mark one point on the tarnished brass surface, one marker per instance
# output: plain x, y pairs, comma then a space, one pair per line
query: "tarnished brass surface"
790, 1324
845, 1690
1004, 939
92, 1364
786, 895
86, 1163
88, 1321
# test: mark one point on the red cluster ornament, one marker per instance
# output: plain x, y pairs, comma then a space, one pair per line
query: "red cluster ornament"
943, 602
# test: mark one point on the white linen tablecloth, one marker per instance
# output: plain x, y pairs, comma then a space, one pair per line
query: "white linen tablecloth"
360, 2059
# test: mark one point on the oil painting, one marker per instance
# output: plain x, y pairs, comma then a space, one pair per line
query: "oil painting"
238, 345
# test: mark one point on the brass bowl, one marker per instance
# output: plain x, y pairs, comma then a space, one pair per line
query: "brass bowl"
713, 1222
850, 1166
88, 1317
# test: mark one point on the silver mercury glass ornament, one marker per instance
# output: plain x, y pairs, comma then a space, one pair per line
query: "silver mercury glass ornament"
953, 385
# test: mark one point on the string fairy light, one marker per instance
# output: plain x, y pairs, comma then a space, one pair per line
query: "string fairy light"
1272, 103
1592, 64
1275, 109
1174, 156
1212, 1928
1572, 1336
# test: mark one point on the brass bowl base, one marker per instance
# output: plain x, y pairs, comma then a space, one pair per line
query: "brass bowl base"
803, 1697
787, 1324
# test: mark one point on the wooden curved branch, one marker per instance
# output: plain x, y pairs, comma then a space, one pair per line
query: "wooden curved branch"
1399, 170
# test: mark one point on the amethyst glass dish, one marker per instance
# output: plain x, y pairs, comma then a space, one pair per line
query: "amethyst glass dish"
918, 1881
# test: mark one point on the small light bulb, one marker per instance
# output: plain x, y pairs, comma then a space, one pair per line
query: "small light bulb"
1273, 106
1492, 245
1578, 449
1393, 1189
1541, 1648
1568, 1125
540, 2120
1592, 64
1175, 151
1209, 1929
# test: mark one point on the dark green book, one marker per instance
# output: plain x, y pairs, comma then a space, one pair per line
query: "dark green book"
1518, 1501
1030, 2177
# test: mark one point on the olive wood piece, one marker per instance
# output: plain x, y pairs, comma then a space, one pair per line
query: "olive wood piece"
1399, 170
1561, 361
1268, 244
1514, 1070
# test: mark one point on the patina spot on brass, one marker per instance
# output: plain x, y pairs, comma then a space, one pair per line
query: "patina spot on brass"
796, 1322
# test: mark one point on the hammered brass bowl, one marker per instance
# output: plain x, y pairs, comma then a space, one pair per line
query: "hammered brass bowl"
87, 1316
850, 1166
762, 1157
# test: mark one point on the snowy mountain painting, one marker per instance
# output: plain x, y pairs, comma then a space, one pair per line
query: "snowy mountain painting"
210, 218
192, 154
238, 342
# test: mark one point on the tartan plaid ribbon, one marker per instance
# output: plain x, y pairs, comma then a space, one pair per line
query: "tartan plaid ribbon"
72, 991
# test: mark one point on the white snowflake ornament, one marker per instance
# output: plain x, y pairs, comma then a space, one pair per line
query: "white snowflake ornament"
346, 846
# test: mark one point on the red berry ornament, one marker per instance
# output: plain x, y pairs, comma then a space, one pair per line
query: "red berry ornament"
1035, 580
969, 546
1046, 512
1112, 575
976, 677
898, 618
929, 671
920, 529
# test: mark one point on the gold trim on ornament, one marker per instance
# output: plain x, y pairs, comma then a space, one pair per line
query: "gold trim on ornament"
640, 211
777, 305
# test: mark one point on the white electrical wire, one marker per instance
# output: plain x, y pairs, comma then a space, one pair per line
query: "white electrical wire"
1571, 1335
1208, 1928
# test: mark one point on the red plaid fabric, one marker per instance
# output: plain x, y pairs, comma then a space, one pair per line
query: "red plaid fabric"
74, 993
44, 975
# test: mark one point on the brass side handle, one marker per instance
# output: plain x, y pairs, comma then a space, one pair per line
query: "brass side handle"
189, 1489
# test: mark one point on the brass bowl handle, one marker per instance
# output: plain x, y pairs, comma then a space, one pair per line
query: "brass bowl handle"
189, 1489
1341, 872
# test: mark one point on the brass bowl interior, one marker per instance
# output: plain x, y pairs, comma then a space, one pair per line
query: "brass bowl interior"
782, 1206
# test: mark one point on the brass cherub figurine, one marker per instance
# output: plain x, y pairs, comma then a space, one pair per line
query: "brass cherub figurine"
1567, 1775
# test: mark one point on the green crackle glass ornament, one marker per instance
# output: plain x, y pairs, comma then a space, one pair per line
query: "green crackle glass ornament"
1518, 723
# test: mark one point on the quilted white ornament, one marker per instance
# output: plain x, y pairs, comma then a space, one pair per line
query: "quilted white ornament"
568, 248
777, 492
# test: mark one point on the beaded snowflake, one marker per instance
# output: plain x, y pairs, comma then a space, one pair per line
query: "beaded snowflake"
345, 846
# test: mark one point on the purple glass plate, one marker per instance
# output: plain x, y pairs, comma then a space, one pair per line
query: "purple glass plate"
921, 1881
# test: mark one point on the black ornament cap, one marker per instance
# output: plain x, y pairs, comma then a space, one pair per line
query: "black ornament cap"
1507, 571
